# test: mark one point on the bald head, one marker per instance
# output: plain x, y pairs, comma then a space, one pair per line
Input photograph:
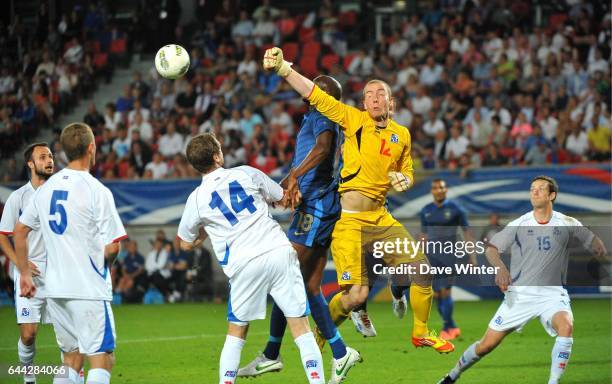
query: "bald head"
329, 85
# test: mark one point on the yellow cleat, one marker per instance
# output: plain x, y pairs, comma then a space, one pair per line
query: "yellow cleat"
434, 341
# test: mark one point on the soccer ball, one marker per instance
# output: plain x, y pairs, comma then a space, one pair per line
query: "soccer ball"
172, 61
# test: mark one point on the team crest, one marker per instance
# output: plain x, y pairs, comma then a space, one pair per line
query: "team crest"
499, 320
25, 312
394, 138
346, 276
447, 214
556, 231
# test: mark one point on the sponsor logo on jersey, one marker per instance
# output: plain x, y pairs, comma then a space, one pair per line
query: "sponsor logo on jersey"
311, 364
394, 138
529, 232
499, 320
346, 276
230, 373
25, 312
564, 355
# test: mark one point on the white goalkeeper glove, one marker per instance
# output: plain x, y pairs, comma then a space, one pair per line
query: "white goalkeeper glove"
399, 181
273, 61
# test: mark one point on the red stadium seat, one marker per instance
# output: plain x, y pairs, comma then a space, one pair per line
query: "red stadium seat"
100, 60
312, 49
309, 67
347, 19
307, 34
118, 46
290, 51
329, 60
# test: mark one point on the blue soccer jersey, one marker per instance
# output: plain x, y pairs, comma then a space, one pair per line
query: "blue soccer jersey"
319, 180
440, 223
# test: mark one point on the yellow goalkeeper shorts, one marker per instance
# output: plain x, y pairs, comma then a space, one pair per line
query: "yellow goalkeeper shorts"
352, 241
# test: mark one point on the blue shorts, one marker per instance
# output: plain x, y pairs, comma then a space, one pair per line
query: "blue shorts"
313, 221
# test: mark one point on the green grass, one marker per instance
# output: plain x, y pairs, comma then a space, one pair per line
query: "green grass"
181, 344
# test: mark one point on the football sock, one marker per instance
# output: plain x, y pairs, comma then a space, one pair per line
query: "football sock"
320, 313
74, 376
278, 323
311, 358
466, 360
230, 359
98, 376
560, 356
445, 307
336, 309
26, 352
420, 302
398, 290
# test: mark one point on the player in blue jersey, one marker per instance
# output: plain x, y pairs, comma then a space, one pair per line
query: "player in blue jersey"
439, 222
311, 180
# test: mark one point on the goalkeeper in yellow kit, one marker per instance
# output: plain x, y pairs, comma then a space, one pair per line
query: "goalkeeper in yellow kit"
376, 156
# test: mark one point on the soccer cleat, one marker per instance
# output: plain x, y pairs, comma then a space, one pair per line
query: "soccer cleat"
451, 333
363, 324
434, 341
260, 365
341, 367
319, 338
399, 306
446, 380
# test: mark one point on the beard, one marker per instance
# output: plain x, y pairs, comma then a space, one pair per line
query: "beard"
44, 172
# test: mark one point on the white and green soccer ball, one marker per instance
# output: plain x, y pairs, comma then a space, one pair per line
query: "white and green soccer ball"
172, 61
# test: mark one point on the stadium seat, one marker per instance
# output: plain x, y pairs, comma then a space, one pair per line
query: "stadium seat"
118, 46
309, 67
307, 34
347, 20
312, 49
290, 51
100, 60
329, 60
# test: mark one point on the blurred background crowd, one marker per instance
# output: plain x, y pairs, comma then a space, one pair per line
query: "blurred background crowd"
477, 83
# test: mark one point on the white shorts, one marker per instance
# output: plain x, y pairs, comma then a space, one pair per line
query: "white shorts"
29, 311
276, 273
86, 325
517, 310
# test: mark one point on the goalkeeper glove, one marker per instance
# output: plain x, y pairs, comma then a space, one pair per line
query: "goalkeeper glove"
399, 181
273, 61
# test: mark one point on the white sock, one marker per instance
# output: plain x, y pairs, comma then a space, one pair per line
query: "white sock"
63, 380
26, 352
98, 376
311, 358
466, 360
72, 378
81, 379
560, 356
230, 359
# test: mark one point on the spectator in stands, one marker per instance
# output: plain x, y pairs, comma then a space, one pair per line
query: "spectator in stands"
185, 101
140, 153
94, 119
577, 142
111, 117
156, 266
172, 142
493, 158
122, 142
599, 139
132, 283
457, 144
125, 102
158, 167
138, 109
144, 128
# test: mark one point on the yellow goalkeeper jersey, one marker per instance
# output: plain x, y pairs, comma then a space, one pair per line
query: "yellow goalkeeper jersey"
370, 153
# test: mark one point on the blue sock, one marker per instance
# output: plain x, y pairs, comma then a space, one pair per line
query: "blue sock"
278, 323
398, 290
447, 315
321, 316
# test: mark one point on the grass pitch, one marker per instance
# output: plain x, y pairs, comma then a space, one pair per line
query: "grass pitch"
181, 343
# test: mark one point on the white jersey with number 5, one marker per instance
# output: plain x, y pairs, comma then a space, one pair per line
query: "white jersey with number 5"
77, 217
232, 206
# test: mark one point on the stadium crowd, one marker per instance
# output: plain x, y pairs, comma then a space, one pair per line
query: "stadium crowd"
47, 69
477, 85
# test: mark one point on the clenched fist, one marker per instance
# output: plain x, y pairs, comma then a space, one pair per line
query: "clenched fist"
399, 181
273, 61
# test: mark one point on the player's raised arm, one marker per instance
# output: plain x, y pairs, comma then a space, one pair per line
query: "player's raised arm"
347, 117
